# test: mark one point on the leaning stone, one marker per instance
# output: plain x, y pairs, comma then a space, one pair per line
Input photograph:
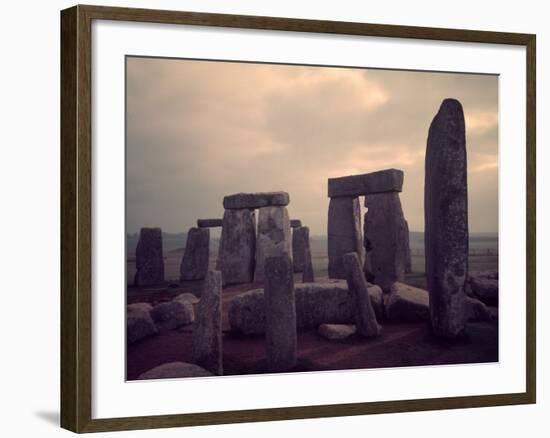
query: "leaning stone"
365, 319
173, 314
295, 223
446, 220
256, 200
485, 289
407, 304
189, 297
194, 263
390, 180
139, 323
477, 311
273, 237
209, 223
237, 246
174, 370
385, 238
308, 275
344, 234
336, 332
207, 330
149, 258
280, 314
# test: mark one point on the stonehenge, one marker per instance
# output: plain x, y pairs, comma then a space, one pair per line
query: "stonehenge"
149, 258
446, 220
194, 263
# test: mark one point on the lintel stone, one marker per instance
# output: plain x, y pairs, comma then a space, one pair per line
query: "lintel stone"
389, 180
255, 200
209, 223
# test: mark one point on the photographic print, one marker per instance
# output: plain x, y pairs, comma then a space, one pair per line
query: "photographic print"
296, 218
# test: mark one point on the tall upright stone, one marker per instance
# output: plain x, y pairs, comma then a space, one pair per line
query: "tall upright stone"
273, 236
365, 318
237, 246
344, 233
194, 263
385, 238
149, 258
408, 255
280, 314
207, 328
300, 237
308, 276
446, 220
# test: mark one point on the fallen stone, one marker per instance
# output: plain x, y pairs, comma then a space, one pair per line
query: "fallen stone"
407, 304
273, 237
237, 246
173, 314
390, 180
489, 273
486, 289
344, 234
207, 329
336, 332
209, 223
255, 200
189, 297
139, 323
295, 223
446, 220
308, 275
194, 263
174, 370
149, 258
477, 311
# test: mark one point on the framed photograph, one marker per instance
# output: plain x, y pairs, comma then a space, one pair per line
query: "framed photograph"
270, 218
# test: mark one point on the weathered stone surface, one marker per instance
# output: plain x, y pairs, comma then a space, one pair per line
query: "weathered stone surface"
173, 314
174, 370
280, 314
407, 303
365, 319
194, 263
477, 311
237, 246
273, 237
209, 223
189, 297
308, 275
139, 323
256, 200
207, 330
390, 180
299, 239
295, 223
316, 304
344, 234
149, 258
386, 238
336, 332
408, 255
486, 289
446, 219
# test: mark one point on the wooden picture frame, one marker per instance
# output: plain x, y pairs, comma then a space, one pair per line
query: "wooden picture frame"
76, 218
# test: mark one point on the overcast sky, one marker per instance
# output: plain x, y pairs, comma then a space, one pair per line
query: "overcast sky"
199, 130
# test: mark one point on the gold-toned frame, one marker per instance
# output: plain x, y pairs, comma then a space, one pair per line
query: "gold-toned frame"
76, 218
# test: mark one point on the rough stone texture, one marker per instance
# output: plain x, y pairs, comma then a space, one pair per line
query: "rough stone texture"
280, 314
308, 275
390, 180
173, 314
316, 304
385, 239
408, 256
298, 247
407, 304
209, 223
237, 246
207, 330
194, 263
174, 370
344, 234
189, 297
446, 220
273, 237
365, 319
255, 200
336, 332
149, 258
139, 323
486, 289
295, 223
477, 311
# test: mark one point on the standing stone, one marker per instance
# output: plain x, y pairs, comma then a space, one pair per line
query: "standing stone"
298, 247
365, 318
273, 237
280, 314
207, 329
194, 263
344, 233
385, 238
308, 276
408, 257
237, 246
149, 258
446, 220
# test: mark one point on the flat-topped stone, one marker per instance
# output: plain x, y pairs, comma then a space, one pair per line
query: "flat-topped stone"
295, 223
390, 180
255, 200
209, 223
